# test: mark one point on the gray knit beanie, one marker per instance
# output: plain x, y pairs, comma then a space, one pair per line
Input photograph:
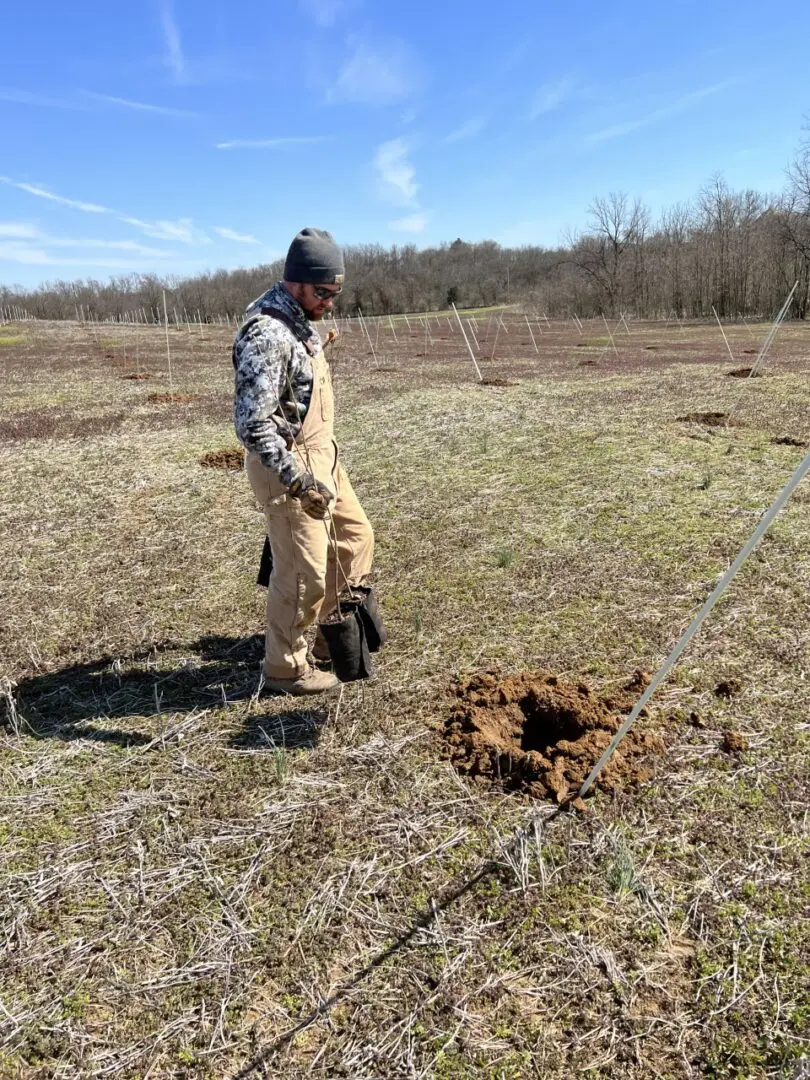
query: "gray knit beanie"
314, 258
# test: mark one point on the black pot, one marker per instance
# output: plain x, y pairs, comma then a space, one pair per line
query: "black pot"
376, 634
348, 645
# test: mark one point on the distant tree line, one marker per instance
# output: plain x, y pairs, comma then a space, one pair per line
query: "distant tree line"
737, 251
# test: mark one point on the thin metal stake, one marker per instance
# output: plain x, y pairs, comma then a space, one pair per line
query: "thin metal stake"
763, 526
469, 347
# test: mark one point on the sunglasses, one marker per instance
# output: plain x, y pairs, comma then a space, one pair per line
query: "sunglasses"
325, 294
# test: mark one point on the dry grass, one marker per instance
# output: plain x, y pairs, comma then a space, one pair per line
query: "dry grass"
199, 882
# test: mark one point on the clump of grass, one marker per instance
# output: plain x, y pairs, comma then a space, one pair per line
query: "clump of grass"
621, 872
12, 339
504, 557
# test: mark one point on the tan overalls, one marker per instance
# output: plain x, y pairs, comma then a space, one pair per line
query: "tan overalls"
302, 583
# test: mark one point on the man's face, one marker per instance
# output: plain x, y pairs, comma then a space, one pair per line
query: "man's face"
317, 300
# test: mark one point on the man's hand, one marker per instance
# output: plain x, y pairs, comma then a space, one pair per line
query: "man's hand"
331, 336
312, 494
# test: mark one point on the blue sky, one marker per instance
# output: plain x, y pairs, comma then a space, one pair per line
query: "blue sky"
178, 137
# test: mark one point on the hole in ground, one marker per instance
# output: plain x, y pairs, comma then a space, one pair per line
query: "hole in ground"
545, 725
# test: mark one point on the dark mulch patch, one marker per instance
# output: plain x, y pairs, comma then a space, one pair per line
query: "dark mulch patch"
788, 440
710, 419
743, 373
230, 457
727, 688
175, 398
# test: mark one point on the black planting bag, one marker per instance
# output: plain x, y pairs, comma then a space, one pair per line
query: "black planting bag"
348, 646
376, 634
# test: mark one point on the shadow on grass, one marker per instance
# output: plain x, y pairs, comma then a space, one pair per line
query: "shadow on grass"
212, 672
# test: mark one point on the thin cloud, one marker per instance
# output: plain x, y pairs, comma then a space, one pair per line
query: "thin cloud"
14, 230
24, 234
182, 230
615, 131
413, 223
238, 238
324, 13
138, 106
273, 143
25, 97
30, 254
468, 130
42, 193
551, 96
175, 60
396, 175
381, 74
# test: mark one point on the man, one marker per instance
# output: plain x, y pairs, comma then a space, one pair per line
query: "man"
321, 539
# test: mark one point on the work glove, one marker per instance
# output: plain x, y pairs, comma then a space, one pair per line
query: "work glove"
331, 336
312, 494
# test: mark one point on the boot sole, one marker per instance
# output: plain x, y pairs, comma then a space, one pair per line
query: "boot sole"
298, 692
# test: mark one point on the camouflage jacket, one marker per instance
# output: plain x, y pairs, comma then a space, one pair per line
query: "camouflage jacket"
273, 385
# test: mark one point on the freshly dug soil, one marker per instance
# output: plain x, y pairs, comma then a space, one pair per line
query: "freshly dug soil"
743, 373
139, 376
175, 398
231, 457
495, 382
710, 419
541, 735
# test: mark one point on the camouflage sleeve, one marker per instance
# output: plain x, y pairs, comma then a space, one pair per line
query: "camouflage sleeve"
261, 357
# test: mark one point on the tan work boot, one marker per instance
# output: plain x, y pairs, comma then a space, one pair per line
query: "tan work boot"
311, 682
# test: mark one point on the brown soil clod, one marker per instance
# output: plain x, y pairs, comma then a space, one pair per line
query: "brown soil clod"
230, 457
788, 440
733, 742
538, 734
744, 373
176, 398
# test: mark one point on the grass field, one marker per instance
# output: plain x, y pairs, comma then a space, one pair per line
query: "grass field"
198, 881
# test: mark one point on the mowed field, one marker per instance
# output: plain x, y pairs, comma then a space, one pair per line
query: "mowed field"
199, 881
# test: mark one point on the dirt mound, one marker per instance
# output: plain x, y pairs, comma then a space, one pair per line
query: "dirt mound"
541, 735
788, 440
496, 382
231, 457
710, 419
175, 398
743, 373
733, 743
139, 376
